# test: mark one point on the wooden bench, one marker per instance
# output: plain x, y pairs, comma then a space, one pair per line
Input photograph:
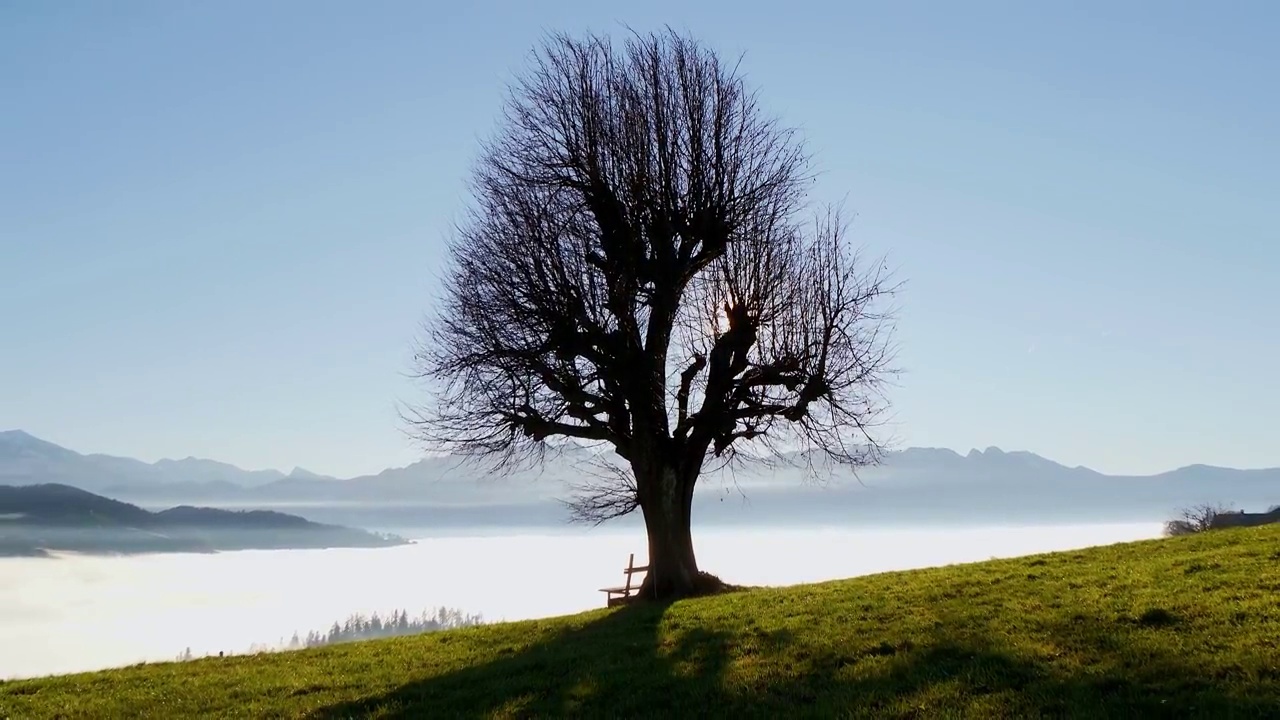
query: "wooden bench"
620, 595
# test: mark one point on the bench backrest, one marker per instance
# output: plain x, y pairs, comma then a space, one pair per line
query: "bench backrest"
632, 569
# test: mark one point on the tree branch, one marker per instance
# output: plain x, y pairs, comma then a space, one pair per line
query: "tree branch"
633, 272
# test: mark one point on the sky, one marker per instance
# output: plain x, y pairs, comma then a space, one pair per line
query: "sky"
221, 224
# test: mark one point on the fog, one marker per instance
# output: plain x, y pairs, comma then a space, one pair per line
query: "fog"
77, 613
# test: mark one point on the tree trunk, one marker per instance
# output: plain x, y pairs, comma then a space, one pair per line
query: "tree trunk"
666, 501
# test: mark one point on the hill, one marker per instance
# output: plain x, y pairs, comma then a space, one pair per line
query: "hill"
1185, 627
36, 519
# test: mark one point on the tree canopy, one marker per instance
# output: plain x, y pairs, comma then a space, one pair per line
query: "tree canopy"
640, 269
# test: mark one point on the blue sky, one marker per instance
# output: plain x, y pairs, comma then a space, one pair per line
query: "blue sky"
220, 222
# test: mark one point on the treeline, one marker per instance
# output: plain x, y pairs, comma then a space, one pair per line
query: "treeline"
359, 626
368, 627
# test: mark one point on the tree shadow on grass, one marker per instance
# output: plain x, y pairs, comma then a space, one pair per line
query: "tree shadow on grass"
622, 665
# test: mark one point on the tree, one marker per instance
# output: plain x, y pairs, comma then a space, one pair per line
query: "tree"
639, 272
1194, 520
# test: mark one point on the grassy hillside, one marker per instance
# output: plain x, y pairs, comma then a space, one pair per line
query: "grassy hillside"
1188, 627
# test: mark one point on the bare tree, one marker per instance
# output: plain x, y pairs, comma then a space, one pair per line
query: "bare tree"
1194, 520
637, 273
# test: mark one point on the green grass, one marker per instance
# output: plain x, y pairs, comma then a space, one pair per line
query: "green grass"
1186, 627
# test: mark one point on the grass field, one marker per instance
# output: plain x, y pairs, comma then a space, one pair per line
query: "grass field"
1185, 627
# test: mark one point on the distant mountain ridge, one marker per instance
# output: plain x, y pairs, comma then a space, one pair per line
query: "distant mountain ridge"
992, 480
25, 458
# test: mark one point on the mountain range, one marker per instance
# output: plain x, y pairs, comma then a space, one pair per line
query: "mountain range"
26, 457
932, 481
